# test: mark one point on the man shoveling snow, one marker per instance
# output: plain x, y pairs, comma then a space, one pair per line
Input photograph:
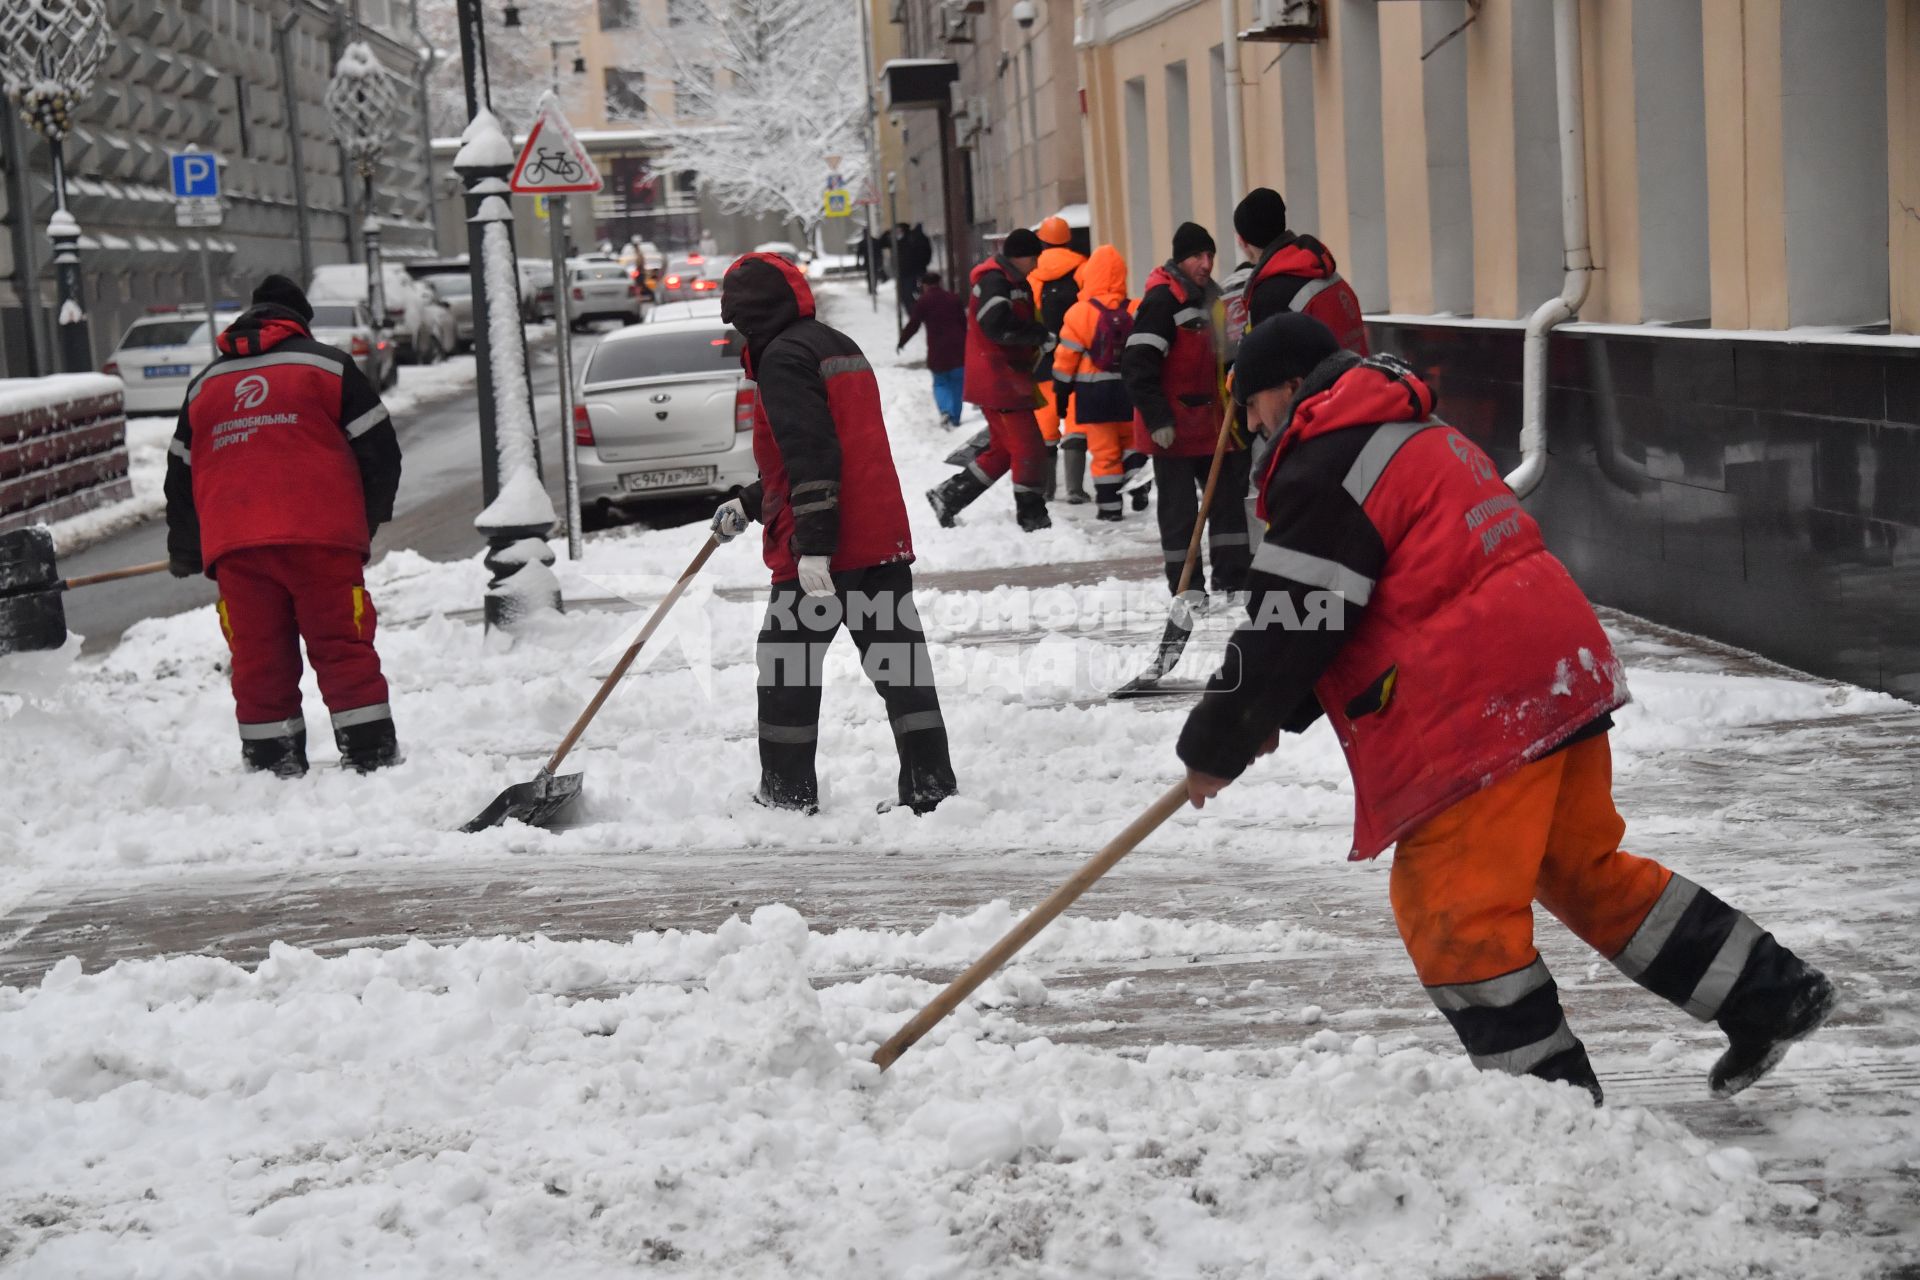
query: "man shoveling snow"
1402, 591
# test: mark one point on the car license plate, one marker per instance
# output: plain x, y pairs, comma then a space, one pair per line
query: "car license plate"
674, 478
167, 370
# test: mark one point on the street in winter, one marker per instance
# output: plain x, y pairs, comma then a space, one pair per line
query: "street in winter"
1376, 734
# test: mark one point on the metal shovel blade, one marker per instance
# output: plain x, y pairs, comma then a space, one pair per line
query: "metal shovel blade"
32, 622
535, 803
26, 561
1173, 642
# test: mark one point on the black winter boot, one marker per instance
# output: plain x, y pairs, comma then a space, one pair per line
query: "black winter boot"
1030, 509
283, 757
368, 744
1052, 488
952, 496
1778, 999
1106, 497
1571, 1066
1074, 459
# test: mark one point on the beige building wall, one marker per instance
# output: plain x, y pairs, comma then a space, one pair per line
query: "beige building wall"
1758, 63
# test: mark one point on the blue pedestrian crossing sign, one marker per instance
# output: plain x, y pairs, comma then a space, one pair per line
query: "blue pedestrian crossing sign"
838, 203
196, 175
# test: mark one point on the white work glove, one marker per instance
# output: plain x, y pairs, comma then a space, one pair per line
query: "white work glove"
730, 521
816, 575
1164, 437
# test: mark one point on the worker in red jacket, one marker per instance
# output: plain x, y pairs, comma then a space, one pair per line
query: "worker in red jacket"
1294, 272
836, 539
283, 466
1006, 345
1403, 592
1172, 371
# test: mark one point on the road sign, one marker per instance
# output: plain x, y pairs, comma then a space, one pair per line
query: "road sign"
553, 160
197, 212
835, 182
838, 204
196, 175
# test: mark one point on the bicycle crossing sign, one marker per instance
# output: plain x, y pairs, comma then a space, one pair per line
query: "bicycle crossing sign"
553, 161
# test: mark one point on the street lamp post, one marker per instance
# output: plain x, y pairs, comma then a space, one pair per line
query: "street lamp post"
363, 101
518, 515
49, 53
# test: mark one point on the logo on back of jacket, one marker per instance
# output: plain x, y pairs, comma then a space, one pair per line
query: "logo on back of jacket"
249, 393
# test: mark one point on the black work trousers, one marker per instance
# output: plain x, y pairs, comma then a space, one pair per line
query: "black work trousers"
876, 607
1178, 484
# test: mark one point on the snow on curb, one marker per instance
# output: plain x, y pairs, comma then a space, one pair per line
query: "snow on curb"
506, 1108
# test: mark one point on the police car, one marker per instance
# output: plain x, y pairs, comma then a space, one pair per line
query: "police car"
161, 353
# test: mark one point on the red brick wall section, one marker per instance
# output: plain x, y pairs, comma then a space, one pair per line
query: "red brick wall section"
59, 460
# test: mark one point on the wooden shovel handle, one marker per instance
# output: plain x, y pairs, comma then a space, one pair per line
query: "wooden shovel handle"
1206, 500
633, 651
1036, 920
114, 575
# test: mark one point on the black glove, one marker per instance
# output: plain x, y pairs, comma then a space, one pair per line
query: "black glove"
1062, 394
182, 568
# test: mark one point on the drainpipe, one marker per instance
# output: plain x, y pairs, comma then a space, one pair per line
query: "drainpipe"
1579, 253
290, 105
425, 56
1230, 69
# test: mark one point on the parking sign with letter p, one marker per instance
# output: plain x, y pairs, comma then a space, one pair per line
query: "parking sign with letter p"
196, 175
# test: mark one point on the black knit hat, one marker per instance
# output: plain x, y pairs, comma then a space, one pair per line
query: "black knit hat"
1280, 349
1022, 244
1261, 218
1190, 238
282, 292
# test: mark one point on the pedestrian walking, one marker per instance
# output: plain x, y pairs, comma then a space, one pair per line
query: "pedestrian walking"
282, 467
1402, 592
1086, 376
836, 540
1293, 272
1006, 346
1173, 371
945, 318
1055, 287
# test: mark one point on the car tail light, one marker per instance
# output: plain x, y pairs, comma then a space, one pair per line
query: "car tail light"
702, 285
361, 347
582, 426
633, 291
579, 296
673, 282
743, 409
112, 367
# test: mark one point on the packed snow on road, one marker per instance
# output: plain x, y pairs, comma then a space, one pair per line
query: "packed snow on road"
698, 1099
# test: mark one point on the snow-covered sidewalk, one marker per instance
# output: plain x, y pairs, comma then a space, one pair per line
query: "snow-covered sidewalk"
1220, 1065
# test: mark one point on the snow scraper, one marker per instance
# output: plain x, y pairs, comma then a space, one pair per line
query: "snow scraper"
537, 802
32, 614
1030, 926
1173, 641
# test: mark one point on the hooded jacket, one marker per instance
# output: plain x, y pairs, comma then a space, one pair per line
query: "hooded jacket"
1297, 273
1172, 369
1097, 394
1403, 585
827, 485
281, 442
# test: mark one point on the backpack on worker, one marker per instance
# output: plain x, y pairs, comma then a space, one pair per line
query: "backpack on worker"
1056, 296
1110, 333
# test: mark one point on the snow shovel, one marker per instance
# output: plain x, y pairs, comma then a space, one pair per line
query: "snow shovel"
1029, 928
1173, 641
32, 614
538, 801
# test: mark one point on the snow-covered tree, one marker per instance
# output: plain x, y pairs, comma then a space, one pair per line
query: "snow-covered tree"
519, 61
763, 92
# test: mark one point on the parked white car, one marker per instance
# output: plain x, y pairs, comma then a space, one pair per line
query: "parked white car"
664, 411
422, 325
161, 353
345, 325
704, 307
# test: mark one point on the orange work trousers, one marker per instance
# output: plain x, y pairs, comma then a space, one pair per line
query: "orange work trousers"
1464, 883
1046, 414
1106, 446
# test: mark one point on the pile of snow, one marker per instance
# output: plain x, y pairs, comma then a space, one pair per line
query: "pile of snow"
504, 1109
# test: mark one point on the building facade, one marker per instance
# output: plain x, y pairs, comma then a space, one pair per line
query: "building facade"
245, 79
